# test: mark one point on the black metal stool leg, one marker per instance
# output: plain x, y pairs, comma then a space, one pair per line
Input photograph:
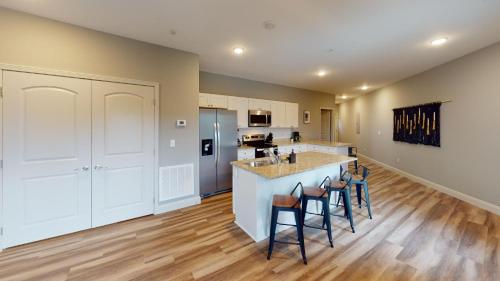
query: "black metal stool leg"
358, 194
367, 199
348, 207
274, 220
300, 235
304, 209
326, 212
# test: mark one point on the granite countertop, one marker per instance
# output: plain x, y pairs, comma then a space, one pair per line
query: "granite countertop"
306, 161
286, 142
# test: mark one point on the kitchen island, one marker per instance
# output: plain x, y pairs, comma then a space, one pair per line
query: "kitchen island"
254, 187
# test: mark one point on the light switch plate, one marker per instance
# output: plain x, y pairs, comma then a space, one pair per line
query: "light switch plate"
172, 143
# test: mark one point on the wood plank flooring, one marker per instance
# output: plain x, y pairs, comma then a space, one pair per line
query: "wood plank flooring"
416, 234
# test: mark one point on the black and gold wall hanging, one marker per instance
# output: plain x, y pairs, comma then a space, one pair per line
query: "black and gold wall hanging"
419, 124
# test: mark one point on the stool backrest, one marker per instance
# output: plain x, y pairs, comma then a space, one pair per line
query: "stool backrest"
301, 191
323, 185
366, 171
346, 177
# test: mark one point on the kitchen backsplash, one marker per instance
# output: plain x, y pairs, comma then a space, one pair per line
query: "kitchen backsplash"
282, 133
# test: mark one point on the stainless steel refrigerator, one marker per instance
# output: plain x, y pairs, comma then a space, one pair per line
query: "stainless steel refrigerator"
218, 147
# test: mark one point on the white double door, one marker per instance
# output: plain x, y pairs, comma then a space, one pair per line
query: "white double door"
77, 154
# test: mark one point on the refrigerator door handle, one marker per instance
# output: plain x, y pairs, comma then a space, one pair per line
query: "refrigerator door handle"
216, 144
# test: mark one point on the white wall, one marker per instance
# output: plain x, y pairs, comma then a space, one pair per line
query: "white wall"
467, 161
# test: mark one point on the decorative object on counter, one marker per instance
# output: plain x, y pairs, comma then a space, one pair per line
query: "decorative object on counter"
292, 158
307, 117
419, 124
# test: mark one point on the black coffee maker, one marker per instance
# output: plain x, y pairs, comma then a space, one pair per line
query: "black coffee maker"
296, 136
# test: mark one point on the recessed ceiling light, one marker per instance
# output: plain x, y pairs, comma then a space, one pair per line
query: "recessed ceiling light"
268, 25
364, 87
344, 97
321, 73
238, 51
439, 41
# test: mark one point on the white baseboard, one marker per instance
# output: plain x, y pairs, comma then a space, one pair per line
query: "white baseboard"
247, 232
177, 204
459, 195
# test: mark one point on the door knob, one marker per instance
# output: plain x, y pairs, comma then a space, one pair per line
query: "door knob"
85, 168
99, 167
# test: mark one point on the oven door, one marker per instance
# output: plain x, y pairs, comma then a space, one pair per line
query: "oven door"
259, 118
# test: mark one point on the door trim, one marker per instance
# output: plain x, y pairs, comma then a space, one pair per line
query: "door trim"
87, 76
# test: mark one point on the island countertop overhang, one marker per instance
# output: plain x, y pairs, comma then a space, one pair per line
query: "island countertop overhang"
306, 161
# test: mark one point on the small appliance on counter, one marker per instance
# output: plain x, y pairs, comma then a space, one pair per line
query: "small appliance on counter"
269, 138
259, 142
296, 136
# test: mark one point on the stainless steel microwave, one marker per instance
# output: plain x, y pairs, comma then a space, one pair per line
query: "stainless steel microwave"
259, 118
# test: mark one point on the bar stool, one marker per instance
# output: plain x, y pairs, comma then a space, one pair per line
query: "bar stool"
287, 203
319, 193
362, 181
343, 187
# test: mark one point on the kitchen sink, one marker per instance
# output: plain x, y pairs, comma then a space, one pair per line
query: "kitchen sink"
260, 163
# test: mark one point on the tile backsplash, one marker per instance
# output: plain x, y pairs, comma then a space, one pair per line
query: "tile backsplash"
278, 133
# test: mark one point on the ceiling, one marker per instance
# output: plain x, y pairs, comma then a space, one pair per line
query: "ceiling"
355, 41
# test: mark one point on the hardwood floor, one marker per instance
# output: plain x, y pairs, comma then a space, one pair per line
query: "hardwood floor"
416, 234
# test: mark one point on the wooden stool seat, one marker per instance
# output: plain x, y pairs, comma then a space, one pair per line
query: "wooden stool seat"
338, 184
286, 201
315, 192
357, 178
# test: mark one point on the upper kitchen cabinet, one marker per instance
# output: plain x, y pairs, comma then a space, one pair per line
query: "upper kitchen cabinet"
278, 111
292, 114
258, 104
241, 106
212, 101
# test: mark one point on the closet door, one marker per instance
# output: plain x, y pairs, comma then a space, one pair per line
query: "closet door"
47, 150
123, 152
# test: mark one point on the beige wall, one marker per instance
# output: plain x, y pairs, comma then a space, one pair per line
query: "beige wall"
470, 132
34, 41
307, 100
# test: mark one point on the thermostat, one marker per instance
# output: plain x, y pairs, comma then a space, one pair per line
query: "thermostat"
181, 123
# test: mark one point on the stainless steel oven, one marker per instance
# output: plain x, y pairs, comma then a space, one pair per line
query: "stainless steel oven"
259, 118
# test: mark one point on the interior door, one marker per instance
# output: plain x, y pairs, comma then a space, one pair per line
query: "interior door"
47, 150
326, 124
123, 152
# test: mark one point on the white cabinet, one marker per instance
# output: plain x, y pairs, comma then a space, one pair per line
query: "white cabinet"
258, 104
278, 110
245, 154
292, 114
210, 100
241, 106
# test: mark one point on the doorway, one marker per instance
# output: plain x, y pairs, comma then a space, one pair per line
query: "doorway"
326, 124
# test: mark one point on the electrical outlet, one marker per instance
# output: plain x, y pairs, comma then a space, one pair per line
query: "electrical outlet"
398, 160
172, 143
379, 132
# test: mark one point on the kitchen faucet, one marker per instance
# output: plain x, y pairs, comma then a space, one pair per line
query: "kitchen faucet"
276, 157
